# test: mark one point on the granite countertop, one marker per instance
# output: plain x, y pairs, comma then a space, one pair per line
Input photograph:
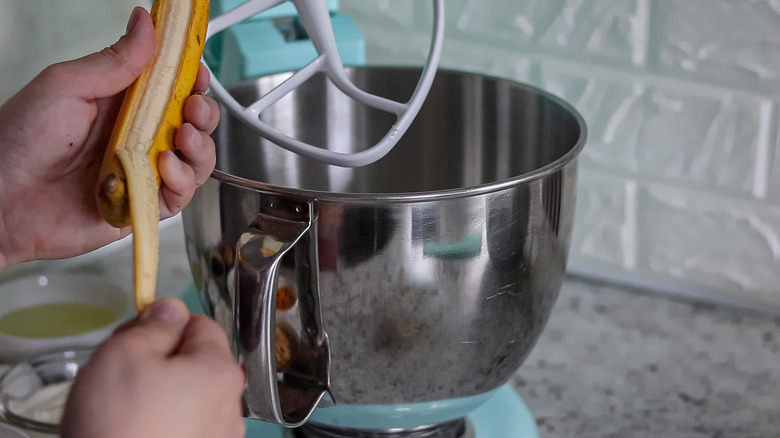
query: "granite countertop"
618, 363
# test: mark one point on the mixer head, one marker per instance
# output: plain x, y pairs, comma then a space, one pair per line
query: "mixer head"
315, 17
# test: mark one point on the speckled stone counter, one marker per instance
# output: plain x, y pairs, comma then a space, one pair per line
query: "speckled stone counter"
618, 363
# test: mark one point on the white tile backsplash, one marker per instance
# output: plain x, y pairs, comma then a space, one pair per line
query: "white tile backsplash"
601, 28
733, 42
711, 141
680, 181
605, 229
709, 239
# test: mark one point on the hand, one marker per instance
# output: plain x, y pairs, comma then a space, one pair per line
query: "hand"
53, 136
163, 375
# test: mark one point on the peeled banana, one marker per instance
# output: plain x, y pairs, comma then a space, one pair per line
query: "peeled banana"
152, 110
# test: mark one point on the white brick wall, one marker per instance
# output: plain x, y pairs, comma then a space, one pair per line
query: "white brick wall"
733, 42
681, 177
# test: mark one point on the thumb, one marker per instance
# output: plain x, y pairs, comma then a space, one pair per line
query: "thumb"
114, 68
158, 330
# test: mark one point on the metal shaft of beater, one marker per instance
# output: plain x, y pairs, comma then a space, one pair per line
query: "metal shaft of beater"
453, 429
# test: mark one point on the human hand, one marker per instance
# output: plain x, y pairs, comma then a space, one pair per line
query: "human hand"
53, 136
163, 375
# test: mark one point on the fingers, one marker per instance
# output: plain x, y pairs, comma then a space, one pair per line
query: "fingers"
195, 156
196, 149
168, 374
178, 184
203, 336
205, 342
202, 112
157, 331
193, 142
202, 80
182, 172
113, 69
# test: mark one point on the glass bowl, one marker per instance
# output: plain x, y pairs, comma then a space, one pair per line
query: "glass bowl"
33, 392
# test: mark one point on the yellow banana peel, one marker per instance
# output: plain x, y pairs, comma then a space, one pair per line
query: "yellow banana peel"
152, 110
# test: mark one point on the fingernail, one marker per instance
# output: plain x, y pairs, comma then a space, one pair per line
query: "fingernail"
166, 310
195, 138
133, 20
204, 106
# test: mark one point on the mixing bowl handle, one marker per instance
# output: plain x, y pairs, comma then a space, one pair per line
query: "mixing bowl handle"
281, 393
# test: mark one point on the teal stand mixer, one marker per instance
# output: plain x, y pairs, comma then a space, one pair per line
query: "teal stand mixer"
270, 39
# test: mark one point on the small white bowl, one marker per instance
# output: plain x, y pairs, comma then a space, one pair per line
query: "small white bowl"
40, 289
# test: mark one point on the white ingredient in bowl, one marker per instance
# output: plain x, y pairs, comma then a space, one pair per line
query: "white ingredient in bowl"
45, 405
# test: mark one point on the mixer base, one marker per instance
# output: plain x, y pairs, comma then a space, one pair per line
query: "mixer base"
504, 415
453, 429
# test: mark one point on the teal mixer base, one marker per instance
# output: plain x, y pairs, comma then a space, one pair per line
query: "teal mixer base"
504, 415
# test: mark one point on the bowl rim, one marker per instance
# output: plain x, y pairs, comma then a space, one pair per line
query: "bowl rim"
406, 197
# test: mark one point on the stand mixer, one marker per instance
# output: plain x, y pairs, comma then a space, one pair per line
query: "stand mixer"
377, 298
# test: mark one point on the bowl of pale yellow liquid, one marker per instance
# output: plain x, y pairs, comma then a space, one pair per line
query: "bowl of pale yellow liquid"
41, 313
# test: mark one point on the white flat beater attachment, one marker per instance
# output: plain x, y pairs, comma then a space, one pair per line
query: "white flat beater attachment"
315, 17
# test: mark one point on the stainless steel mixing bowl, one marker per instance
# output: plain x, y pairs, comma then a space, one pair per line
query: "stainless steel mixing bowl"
426, 276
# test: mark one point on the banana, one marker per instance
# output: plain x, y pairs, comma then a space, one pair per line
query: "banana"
151, 112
